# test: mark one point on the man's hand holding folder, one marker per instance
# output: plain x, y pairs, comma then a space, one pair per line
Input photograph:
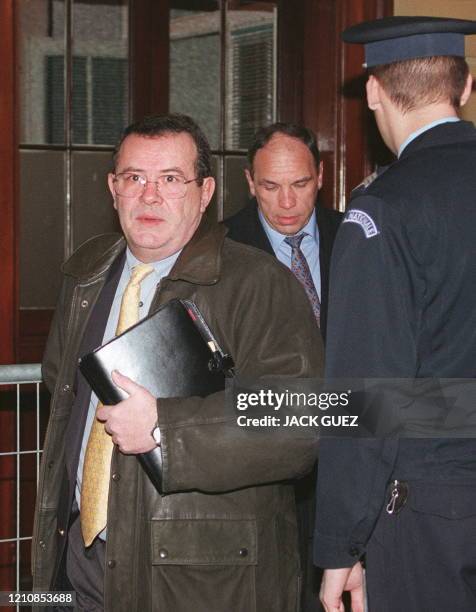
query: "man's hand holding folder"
130, 421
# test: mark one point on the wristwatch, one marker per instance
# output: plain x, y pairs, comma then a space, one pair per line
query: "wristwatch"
155, 433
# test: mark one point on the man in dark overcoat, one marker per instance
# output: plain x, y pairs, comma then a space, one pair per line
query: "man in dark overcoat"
221, 532
284, 176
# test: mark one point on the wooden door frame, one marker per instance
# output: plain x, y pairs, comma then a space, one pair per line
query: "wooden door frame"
8, 274
8, 186
321, 85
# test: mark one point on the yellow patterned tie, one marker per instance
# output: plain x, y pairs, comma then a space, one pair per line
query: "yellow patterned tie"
97, 461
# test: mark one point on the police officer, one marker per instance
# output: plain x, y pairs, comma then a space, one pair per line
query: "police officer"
403, 305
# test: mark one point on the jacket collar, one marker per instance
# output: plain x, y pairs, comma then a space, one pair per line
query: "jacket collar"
199, 262
94, 257
441, 135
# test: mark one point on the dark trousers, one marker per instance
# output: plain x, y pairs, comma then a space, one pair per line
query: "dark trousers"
423, 559
82, 571
305, 492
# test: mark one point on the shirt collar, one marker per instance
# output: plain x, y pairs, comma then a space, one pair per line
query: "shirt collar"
276, 238
417, 133
161, 268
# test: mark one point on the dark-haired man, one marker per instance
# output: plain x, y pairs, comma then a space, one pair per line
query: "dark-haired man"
403, 305
284, 176
222, 536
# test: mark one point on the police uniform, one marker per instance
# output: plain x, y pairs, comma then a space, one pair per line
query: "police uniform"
403, 305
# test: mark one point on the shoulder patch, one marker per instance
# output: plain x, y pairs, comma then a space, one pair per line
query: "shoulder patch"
364, 220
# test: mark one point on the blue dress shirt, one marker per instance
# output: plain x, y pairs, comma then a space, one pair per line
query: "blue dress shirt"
309, 246
417, 133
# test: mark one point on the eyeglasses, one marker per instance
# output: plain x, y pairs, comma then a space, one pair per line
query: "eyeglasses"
132, 185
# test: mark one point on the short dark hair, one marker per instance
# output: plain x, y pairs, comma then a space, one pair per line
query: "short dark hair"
264, 135
174, 123
414, 83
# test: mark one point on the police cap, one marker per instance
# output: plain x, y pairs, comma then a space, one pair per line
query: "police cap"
393, 39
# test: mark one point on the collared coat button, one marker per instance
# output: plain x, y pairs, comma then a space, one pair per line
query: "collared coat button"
243, 552
66, 388
116, 477
42, 544
354, 551
163, 553
111, 564
84, 304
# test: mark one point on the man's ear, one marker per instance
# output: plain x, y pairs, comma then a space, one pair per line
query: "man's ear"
373, 89
468, 88
110, 184
251, 184
208, 189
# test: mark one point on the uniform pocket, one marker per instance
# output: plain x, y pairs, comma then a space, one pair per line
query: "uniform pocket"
204, 564
450, 501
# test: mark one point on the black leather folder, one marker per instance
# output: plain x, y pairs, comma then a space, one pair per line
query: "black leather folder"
172, 353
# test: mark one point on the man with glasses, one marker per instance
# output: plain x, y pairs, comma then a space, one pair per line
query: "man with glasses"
222, 535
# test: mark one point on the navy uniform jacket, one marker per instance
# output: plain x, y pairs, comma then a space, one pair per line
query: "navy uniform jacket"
245, 226
402, 305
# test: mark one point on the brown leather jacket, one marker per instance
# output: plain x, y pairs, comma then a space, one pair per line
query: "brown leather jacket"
233, 545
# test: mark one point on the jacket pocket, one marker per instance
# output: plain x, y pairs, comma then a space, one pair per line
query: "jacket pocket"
205, 565
450, 501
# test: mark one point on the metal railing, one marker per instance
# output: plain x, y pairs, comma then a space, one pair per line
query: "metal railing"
20, 394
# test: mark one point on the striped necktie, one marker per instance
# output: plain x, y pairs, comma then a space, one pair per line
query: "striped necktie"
300, 269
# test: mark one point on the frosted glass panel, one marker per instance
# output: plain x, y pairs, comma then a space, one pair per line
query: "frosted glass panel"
100, 71
93, 212
195, 67
236, 187
41, 227
250, 72
41, 49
